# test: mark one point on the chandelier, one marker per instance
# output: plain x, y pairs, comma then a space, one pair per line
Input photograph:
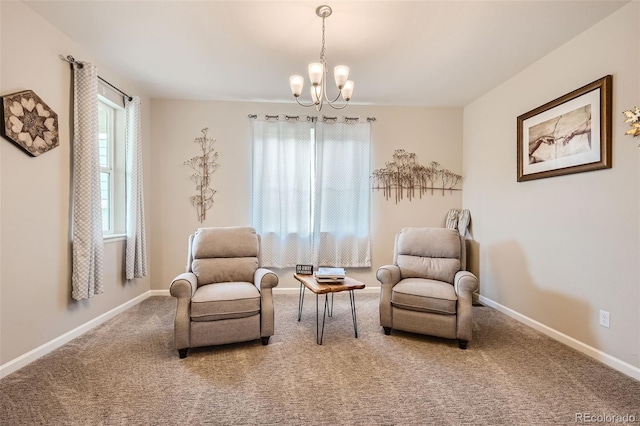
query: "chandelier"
318, 75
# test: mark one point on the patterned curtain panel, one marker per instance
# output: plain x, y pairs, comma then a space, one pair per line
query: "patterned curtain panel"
136, 245
87, 251
342, 191
283, 156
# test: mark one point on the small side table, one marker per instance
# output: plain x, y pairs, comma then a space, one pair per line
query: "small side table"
309, 281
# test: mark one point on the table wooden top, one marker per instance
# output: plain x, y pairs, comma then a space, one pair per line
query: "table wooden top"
310, 282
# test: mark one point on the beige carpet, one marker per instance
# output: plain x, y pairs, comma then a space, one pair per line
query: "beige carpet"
127, 372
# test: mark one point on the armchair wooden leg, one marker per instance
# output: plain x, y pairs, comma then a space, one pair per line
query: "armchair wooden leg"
265, 340
183, 352
387, 330
462, 344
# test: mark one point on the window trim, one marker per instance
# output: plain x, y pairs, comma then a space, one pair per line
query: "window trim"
117, 169
109, 168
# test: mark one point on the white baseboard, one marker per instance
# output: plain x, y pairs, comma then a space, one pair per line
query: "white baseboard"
622, 366
19, 362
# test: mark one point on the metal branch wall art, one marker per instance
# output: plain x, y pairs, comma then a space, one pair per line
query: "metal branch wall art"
203, 165
404, 175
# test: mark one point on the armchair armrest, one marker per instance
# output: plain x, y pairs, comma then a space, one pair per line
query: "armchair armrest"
264, 278
184, 285
465, 282
388, 275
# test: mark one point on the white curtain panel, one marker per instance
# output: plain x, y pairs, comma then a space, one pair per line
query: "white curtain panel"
87, 244
136, 245
282, 190
311, 192
341, 223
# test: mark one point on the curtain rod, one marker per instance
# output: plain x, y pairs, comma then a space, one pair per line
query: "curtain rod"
72, 61
324, 118
115, 88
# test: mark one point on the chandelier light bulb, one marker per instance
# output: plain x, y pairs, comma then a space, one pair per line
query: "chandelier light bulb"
347, 90
297, 83
316, 71
341, 75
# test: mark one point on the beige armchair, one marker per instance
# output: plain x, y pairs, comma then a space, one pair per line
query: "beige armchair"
224, 296
427, 289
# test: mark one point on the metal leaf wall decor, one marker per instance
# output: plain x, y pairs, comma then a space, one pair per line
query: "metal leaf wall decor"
203, 165
404, 175
632, 117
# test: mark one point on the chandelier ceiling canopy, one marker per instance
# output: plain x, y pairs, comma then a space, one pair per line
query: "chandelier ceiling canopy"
318, 73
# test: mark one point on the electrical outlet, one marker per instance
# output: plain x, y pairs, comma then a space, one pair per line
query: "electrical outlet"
604, 318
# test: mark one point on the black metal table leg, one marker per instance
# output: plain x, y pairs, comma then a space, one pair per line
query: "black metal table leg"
320, 334
331, 307
300, 301
352, 298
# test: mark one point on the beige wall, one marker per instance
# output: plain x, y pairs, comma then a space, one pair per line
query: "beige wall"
558, 250
433, 134
35, 302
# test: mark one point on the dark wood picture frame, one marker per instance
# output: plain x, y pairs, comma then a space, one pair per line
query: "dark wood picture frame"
571, 134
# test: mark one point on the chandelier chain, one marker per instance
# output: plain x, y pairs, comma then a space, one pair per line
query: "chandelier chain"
322, 59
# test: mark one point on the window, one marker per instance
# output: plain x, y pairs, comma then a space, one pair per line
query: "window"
311, 192
112, 163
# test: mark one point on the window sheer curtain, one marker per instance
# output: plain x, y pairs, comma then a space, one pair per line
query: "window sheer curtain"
311, 192
87, 239
342, 193
283, 156
136, 244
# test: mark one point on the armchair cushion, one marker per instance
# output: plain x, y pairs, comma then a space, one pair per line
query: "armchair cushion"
431, 253
441, 243
440, 269
225, 301
424, 295
219, 270
239, 241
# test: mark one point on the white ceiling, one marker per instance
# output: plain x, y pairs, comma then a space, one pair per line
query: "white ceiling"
428, 53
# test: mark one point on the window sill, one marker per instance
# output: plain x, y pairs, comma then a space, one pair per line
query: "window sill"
114, 238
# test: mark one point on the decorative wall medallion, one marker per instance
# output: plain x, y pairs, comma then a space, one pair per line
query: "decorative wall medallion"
29, 122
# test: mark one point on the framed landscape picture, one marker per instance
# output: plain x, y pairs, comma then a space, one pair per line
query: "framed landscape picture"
570, 134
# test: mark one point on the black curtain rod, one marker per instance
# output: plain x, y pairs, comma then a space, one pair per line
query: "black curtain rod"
324, 118
72, 61
115, 88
